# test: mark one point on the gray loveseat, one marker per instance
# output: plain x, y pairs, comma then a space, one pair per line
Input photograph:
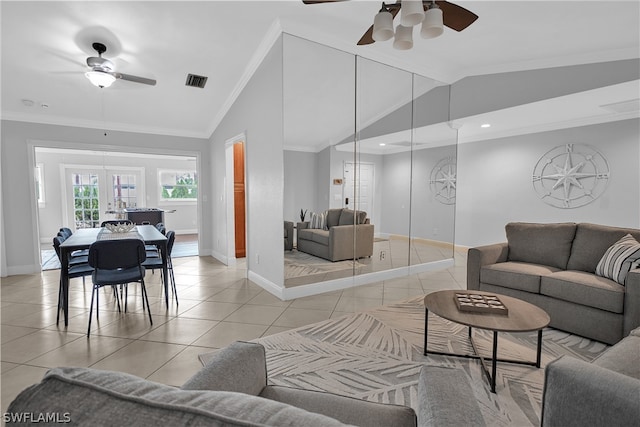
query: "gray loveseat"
605, 392
232, 390
335, 242
553, 266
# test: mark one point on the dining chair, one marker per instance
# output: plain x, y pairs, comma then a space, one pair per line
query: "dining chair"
117, 262
156, 263
76, 269
66, 233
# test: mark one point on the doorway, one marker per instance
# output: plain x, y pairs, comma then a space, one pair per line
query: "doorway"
359, 187
239, 200
235, 199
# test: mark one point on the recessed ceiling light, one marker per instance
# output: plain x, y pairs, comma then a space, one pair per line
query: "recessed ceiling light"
382, 144
27, 102
485, 125
43, 105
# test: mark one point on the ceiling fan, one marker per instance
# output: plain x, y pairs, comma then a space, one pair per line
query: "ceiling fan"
432, 14
103, 72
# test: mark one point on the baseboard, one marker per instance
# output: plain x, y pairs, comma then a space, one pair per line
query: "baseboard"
223, 258
266, 284
187, 231
23, 269
360, 279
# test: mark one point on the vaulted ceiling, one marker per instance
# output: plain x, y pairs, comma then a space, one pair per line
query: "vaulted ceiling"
45, 46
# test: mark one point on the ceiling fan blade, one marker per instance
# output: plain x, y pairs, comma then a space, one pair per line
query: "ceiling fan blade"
135, 79
456, 17
367, 38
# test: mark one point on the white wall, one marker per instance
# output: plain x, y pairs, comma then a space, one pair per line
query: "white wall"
257, 112
495, 181
51, 218
300, 184
19, 209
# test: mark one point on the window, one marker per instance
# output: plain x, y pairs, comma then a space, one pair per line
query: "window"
124, 190
178, 185
39, 177
86, 200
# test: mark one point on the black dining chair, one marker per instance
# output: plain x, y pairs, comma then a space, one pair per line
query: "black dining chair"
156, 263
117, 262
66, 233
78, 267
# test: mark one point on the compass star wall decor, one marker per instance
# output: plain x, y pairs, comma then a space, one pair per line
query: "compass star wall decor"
571, 176
443, 181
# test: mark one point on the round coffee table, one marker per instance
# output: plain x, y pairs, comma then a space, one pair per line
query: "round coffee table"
521, 317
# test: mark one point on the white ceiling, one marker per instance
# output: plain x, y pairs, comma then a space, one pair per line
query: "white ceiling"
45, 45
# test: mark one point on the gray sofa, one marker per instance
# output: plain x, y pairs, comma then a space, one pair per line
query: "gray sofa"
553, 266
336, 241
232, 390
605, 392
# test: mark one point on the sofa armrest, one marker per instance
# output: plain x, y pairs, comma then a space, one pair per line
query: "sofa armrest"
446, 398
341, 241
302, 225
483, 255
631, 318
347, 410
577, 393
240, 367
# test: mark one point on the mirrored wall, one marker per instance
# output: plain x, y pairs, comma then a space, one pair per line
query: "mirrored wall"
369, 166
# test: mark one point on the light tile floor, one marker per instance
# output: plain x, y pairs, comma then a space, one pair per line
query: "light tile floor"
217, 305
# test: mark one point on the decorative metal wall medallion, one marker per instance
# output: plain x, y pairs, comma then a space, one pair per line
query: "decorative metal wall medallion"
443, 181
570, 176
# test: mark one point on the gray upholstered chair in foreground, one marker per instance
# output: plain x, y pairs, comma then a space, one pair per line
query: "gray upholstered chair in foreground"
232, 390
603, 392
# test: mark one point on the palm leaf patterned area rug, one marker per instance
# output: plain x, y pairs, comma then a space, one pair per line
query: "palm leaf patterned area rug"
377, 355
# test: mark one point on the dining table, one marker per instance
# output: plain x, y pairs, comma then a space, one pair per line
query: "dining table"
84, 237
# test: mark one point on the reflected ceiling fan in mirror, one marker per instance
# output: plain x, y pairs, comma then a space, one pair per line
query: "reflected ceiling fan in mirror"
433, 15
103, 72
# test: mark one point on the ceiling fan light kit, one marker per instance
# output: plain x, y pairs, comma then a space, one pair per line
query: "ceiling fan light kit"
412, 13
432, 25
383, 26
100, 78
404, 38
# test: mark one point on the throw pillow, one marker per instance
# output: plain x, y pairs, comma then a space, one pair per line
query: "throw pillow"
318, 220
619, 259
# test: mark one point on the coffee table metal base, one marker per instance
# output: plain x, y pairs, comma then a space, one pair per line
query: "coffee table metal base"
491, 377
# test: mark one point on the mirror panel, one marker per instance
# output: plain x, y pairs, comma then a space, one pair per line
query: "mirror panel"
433, 188
383, 163
319, 109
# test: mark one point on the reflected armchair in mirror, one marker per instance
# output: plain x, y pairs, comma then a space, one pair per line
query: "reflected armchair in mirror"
288, 235
332, 235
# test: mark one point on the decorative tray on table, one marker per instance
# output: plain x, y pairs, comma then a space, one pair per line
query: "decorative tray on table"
479, 303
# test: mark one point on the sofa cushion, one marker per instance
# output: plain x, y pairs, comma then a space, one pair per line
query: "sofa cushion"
546, 244
89, 396
515, 275
584, 288
619, 259
333, 217
591, 242
346, 217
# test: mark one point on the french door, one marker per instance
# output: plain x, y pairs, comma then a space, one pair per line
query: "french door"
94, 194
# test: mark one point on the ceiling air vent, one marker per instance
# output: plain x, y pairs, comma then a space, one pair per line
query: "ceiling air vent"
196, 81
